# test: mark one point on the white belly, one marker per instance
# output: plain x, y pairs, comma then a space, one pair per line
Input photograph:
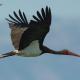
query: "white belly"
32, 50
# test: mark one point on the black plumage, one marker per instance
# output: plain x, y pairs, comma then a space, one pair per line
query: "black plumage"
20, 21
38, 29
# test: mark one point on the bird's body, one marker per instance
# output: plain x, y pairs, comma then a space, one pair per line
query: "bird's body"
32, 50
28, 37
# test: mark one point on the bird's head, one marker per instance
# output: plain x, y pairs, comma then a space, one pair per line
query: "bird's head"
67, 52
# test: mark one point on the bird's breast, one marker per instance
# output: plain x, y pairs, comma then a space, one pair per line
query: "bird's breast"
32, 50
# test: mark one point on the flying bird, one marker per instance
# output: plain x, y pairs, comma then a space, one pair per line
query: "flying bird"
28, 37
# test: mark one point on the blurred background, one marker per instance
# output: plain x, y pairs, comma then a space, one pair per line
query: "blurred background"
64, 34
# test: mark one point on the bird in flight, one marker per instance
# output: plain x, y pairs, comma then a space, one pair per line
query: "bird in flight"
28, 37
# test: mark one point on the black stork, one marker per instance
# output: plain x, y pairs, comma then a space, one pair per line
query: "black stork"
28, 37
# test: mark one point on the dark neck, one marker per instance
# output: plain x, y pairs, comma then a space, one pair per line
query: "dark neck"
61, 52
47, 50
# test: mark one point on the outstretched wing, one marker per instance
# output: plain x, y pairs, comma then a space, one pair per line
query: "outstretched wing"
17, 25
39, 27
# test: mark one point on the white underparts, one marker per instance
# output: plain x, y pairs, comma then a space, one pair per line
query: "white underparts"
16, 51
31, 51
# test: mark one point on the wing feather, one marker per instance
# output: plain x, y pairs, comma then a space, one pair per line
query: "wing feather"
13, 19
39, 27
25, 18
39, 15
43, 13
17, 17
16, 34
36, 18
22, 18
17, 25
19, 20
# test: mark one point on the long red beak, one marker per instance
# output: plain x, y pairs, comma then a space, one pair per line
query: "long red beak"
67, 52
